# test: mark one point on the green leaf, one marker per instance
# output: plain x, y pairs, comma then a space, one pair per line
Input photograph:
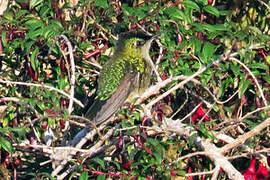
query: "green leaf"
158, 156
6, 145
216, 108
180, 172
8, 15
174, 12
4, 131
116, 164
48, 32
33, 34
102, 3
250, 123
191, 4
51, 122
41, 106
20, 131
259, 66
267, 78
34, 3
34, 24
222, 27
100, 162
152, 141
4, 38
235, 69
101, 177
84, 176
208, 49
28, 45
208, 52
62, 82
228, 110
33, 58
268, 59
56, 24
211, 10
245, 83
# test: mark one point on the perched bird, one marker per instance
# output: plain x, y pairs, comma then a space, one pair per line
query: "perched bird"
126, 74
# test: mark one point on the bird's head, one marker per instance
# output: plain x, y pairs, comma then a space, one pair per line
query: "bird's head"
135, 43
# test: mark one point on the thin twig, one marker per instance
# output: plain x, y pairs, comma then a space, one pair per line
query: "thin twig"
212, 151
189, 156
189, 114
43, 86
91, 151
17, 100
246, 136
155, 89
254, 78
181, 84
72, 80
256, 110
160, 52
200, 173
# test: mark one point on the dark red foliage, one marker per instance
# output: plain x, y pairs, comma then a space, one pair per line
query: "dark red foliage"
33, 74
64, 102
15, 122
62, 124
172, 173
126, 166
17, 162
210, 2
120, 142
63, 66
140, 143
50, 111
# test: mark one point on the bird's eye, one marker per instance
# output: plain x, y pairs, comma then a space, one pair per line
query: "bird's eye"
138, 43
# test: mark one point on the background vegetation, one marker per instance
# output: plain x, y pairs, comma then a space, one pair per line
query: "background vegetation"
206, 114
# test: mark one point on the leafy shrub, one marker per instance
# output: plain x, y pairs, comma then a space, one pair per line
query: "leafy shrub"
213, 62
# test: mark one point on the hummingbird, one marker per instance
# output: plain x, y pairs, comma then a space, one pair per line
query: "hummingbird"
124, 76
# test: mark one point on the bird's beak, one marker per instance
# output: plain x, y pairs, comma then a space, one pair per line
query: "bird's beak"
156, 35
148, 43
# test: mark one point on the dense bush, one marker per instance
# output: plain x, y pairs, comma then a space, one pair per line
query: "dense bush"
205, 115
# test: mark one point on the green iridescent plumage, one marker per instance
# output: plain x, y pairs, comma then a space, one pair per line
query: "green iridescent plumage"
127, 59
126, 74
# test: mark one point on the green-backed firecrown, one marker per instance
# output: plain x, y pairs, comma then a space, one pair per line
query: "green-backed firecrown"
124, 76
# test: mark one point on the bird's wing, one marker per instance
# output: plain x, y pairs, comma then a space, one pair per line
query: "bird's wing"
101, 110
